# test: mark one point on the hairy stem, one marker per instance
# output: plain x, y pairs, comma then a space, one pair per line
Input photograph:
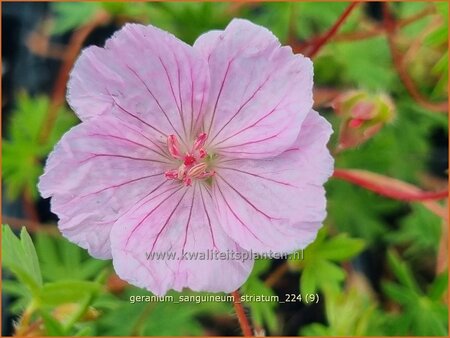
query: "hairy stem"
240, 313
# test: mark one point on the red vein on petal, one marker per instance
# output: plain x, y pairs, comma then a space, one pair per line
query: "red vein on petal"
236, 216
130, 141
251, 142
172, 90
121, 184
255, 123
148, 214
121, 156
219, 94
136, 117
209, 220
189, 219
163, 151
157, 102
167, 221
247, 200
256, 175
241, 107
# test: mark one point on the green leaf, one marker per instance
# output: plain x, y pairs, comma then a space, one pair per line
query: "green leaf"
23, 149
62, 292
19, 256
72, 15
52, 326
318, 267
61, 259
439, 286
86, 331
402, 272
263, 313
341, 248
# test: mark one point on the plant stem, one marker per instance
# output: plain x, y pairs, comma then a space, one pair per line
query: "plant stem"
275, 276
397, 58
379, 29
240, 313
332, 31
388, 186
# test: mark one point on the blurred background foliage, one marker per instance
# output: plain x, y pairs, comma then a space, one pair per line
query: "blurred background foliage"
379, 265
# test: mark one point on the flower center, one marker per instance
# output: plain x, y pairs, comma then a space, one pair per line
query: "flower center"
192, 164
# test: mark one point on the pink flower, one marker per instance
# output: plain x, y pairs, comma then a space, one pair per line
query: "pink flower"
189, 149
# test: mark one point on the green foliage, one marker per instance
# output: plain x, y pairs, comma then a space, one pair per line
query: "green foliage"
188, 20
157, 317
72, 15
423, 312
40, 298
263, 313
319, 270
24, 148
352, 312
61, 285
19, 256
420, 231
61, 259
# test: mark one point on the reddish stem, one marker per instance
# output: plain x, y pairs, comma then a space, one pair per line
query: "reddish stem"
328, 35
379, 30
275, 276
387, 186
397, 58
240, 313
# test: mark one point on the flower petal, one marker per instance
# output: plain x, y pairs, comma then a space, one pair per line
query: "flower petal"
207, 42
260, 92
148, 74
277, 204
177, 220
97, 171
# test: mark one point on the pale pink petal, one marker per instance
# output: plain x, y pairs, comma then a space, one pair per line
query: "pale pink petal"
176, 220
97, 171
207, 42
260, 92
148, 75
279, 203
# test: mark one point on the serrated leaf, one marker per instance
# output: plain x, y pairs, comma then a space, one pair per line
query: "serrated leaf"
23, 149
402, 272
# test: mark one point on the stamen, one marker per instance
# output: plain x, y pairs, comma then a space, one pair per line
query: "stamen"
202, 153
187, 181
174, 147
197, 170
181, 173
190, 166
171, 174
200, 141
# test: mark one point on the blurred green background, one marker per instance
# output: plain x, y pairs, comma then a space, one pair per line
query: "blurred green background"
379, 265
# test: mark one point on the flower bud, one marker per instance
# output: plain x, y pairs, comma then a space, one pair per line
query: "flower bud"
363, 115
